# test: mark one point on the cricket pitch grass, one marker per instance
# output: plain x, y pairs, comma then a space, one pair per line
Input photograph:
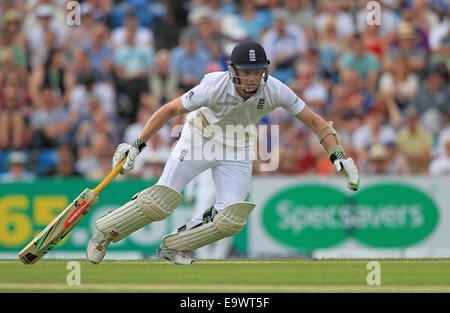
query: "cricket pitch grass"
228, 276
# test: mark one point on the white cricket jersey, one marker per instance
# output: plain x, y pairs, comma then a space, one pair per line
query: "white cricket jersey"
218, 100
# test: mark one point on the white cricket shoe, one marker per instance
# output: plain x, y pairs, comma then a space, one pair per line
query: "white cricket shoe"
96, 248
174, 256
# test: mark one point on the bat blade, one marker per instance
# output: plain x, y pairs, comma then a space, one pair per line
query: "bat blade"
58, 228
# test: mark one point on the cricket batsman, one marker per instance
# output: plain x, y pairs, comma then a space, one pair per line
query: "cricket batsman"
233, 99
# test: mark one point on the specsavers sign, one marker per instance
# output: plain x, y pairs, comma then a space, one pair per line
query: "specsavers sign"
310, 215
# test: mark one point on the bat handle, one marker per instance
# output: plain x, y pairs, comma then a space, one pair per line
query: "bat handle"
109, 178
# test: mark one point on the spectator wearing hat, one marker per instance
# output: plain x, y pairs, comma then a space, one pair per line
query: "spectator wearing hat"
415, 143
13, 46
45, 35
18, 172
407, 45
378, 160
13, 35
206, 31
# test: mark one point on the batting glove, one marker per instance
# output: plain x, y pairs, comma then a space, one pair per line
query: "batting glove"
348, 167
125, 150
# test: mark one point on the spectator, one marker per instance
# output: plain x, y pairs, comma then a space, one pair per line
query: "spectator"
99, 52
131, 65
17, 169
52, 74
363, 61
141, 36
163, 80
407, 46
189, 61
378, 160
65, 167
206, 32
356, 96
284, 45
167, 35
371, 132
439, 38
79, 34
45, 35
332, 9
433, 98
299, 13
12, 39
373, 42
399, 83
250, 21
415, 143
83, 95
14, 111
309, 88
96, 123
49, 122
330, 46
441, 165
389, 20
94, 161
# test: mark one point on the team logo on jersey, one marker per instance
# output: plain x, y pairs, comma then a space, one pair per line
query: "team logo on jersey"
261, 103
252, 55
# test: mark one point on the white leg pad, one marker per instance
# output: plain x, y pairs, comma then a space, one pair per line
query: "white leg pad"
152, 204
228, 222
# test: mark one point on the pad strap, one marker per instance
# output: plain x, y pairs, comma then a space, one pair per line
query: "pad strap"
152, 204
228, 222
327, 131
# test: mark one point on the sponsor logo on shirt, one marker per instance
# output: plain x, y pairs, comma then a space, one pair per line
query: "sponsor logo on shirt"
261, 103
226, 103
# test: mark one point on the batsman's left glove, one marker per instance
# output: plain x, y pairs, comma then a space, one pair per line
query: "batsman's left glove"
348, 167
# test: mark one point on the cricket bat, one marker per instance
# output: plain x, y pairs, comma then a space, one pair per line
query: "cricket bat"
65, 221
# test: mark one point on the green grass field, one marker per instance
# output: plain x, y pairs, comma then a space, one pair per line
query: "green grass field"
234, 275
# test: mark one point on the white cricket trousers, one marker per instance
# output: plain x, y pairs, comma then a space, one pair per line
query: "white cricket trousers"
232, 178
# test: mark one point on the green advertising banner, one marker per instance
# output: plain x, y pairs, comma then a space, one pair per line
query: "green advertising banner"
27, 208
387, 216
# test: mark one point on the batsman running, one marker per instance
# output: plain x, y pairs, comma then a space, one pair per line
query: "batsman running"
224, 100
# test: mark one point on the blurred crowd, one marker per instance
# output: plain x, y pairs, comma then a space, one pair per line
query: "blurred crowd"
79, 77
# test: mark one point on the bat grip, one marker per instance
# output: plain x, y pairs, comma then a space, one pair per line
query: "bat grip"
109, 178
